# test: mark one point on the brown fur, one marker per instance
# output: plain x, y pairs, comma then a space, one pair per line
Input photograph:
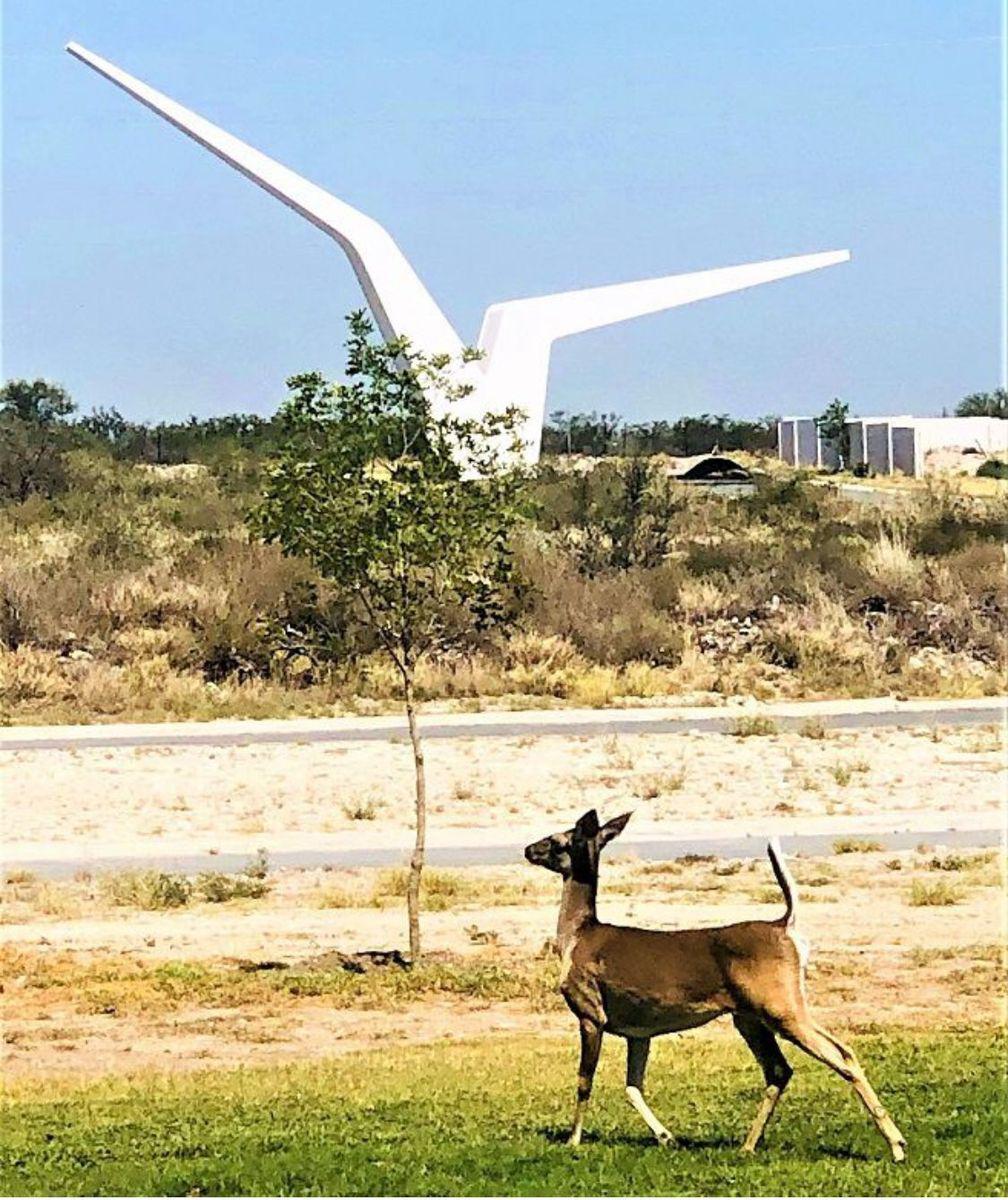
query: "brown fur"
642, 983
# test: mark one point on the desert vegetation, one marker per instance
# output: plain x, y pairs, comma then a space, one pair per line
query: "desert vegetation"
138, 592
137, 589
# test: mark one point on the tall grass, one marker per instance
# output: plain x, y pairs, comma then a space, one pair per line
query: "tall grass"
139, 593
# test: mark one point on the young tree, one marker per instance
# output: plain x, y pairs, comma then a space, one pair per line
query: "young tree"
33, 435
832, 425
409, 513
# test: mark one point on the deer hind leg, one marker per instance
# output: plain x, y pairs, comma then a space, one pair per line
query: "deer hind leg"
591, 1044
776, 1072
637, 1056
815, 1040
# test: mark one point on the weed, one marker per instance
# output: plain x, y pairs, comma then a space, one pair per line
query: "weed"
217, 888
146, 889
360, 810
924, 894
814, 728
852, 845
19, 875
660, 783
754, 726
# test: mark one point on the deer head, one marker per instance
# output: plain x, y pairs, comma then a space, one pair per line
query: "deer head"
575, 852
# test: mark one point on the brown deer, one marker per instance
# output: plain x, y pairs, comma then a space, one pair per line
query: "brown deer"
641, 983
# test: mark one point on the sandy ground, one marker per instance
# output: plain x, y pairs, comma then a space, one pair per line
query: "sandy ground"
876, 958
85, 803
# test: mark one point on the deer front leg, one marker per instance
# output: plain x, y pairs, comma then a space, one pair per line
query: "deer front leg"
636, 1065
591, 1044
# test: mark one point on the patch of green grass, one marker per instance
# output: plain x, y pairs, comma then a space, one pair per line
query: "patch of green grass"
154, 890
756, 726
125, 985
440, 890
447, 1119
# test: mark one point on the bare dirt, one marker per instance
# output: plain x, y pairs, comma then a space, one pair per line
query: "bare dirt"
85, 803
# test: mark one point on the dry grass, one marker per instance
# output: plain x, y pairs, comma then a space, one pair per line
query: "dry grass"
924, 894
138, 594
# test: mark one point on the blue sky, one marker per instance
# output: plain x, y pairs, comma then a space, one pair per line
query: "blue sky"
512, 148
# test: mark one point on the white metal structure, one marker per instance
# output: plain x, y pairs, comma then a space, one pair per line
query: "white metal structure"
517, 335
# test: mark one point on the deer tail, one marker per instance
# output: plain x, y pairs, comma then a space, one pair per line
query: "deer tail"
785, 880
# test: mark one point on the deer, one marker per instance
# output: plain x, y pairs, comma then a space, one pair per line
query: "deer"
639, 984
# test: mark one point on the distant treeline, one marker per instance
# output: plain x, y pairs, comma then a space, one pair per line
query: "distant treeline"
596, 434
599, 434
196, 439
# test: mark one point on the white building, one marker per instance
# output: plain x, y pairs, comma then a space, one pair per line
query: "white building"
886, 445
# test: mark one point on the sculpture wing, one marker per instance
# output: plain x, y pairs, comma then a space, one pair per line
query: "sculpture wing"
564, 313
400, 302
516, 335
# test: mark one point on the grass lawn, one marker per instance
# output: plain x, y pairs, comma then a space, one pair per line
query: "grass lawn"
489, 1118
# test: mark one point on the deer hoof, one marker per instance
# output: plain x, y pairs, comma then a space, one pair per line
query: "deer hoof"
664, 1138
899, 1151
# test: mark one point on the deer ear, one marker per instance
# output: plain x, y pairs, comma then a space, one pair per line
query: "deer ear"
587, 826
613, 829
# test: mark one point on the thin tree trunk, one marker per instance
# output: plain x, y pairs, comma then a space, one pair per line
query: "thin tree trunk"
420, 844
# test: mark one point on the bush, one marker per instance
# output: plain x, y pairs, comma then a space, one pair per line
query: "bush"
146, 889
135, 593
217, 888
928, 895
744, 727
993, 468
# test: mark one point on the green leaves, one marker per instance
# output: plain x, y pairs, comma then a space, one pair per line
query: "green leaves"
370, 488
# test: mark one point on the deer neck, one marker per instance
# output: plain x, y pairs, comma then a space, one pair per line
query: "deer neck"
577, 909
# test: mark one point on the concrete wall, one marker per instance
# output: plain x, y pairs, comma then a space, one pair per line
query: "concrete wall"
886, 444
807, 438
877, 447
905, 455
988, 434
786, 442
857, 446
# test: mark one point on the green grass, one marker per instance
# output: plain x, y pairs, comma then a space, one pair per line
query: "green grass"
488, 1118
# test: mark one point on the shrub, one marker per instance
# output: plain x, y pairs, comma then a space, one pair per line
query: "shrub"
856, 846
360, 810
755, 726
215, 887
993, 468
146, 889
924, 894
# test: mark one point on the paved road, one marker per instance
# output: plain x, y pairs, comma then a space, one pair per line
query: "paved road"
563, 722
651, 850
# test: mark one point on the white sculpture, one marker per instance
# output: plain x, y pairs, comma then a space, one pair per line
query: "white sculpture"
516, 335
